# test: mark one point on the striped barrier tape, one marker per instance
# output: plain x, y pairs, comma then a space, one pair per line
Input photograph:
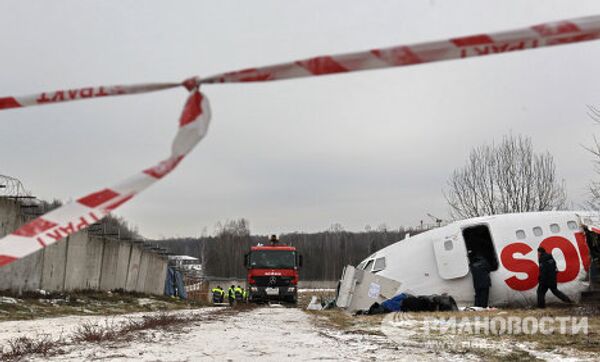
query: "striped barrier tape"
195, 118
79, 214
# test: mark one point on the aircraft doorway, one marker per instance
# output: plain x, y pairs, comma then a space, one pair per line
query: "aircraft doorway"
478, 241
593, 241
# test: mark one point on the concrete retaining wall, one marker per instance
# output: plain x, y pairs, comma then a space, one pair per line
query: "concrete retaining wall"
143, 272
156, 269
115, 263
80, 262
133, 268
84, 261
10, 216
23, 276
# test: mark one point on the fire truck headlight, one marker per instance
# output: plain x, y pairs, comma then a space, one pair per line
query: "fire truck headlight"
291, 289
253, 289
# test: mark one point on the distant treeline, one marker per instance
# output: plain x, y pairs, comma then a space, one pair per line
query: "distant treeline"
325, 253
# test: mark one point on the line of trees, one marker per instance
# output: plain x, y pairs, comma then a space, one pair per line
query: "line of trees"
325, 253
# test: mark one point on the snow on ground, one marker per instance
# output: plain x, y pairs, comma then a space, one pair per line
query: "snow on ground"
270, 334
263, 333
65, 326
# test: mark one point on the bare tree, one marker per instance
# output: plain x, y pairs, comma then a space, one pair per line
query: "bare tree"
382, 228
239, 227
503, 178
594, 186
336, 228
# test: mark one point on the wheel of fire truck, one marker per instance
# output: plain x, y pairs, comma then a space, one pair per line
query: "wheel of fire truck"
293, 299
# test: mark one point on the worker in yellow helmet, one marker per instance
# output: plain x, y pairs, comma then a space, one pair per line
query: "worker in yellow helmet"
245, 295
239, 293
231, 294
218, 294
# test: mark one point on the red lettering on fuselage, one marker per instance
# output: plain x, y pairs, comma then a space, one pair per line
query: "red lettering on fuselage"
584, 251
528, 265
519, 265
570, 254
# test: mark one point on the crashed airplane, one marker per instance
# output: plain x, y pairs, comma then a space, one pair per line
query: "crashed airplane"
437, 261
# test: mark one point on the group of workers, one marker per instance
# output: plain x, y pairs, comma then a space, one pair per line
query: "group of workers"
234, 294
481, 268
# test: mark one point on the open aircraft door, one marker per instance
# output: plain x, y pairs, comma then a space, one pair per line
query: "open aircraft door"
451, 257
591, 227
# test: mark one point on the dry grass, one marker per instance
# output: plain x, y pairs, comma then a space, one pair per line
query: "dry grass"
554, 341
338, 319
33, 305
23, 346
334, 318
504, 347
96, 333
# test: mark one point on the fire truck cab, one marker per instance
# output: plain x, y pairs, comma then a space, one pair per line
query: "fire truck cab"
273, 272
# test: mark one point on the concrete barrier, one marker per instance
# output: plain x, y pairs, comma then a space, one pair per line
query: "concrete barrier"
80, 262
10, 216
55, 263
115, 263
143, 272
133, 269
84, 262
156, 271
23, 276
27, 273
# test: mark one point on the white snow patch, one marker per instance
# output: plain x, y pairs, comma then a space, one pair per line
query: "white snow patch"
9, 300
268, 334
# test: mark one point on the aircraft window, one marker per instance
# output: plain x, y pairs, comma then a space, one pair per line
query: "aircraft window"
361, 265
368, 266
537, 231
572, 225
448, 245
521, 234
379, 264
554, 228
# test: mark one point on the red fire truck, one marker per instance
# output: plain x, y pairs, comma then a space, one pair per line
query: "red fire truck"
273, 272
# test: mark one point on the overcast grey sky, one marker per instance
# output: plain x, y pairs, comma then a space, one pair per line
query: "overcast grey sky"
298, 155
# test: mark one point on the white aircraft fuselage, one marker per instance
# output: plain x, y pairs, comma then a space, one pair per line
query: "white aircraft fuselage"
437, 261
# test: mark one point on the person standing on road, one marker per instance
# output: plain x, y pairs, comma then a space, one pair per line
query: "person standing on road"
547, 279
218, 294
480, 270
239, 294
231, 294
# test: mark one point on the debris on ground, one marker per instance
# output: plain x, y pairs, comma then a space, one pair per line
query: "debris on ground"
314, 304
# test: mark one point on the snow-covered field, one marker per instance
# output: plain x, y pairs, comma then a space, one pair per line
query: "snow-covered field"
265, 333
64, 326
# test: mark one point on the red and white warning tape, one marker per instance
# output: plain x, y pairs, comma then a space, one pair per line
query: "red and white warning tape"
79, 214
195, 118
